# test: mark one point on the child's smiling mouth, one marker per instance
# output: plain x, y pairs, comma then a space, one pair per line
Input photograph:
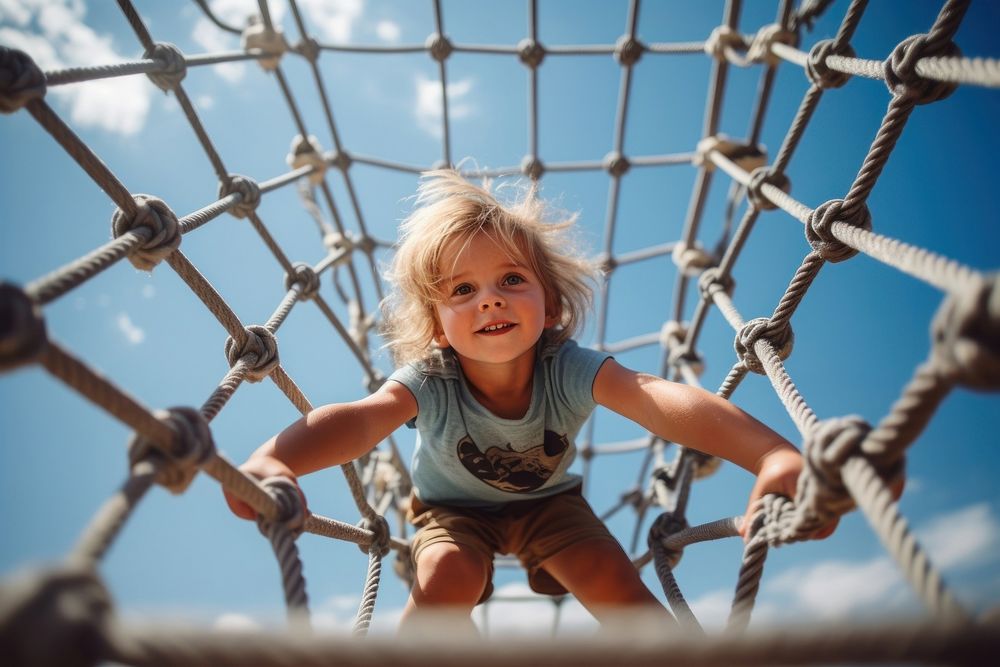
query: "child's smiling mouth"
496, 328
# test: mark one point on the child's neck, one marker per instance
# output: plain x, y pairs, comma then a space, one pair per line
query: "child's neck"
503, 389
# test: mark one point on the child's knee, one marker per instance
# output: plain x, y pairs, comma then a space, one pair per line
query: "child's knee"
449, 572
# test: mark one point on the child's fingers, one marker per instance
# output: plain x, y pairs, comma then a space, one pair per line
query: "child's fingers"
826, 531
239, 507
260, 467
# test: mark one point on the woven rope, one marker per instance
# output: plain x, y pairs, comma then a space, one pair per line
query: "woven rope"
921, 70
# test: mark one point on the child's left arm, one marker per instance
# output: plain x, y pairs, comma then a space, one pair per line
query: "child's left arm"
703, 421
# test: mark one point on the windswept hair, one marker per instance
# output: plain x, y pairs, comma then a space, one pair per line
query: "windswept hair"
449, 208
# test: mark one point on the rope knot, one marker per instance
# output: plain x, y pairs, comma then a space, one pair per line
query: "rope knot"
22, 328
705, 465
365, 244
769, 521
818, 71
306, 278
68, 605
439, 46
271, 41
712, 281
723, 37
672, 333
262, 345
374, 381
176, 66
306, 152
532, 167
821, 494
530, 52
616, 164
191, 447
21, 80
246, 188
380, 535
746, 156
900, 69
154, 215
342, 160
309, 49
663, 527
690, 259
755, 192
966, 334
340, 247
292, 510
683, 355
628, 50
760, 47
820, 235
761, 328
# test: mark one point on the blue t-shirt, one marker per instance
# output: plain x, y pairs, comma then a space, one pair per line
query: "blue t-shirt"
467, 456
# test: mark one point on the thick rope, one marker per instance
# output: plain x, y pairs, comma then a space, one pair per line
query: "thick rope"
849, 462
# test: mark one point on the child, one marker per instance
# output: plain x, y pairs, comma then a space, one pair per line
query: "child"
486, 300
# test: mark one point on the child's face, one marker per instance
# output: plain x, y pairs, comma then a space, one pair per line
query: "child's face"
494, 305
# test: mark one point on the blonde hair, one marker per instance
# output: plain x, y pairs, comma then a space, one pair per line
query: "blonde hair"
449, 208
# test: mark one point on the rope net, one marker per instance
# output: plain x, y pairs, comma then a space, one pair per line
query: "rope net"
850, 463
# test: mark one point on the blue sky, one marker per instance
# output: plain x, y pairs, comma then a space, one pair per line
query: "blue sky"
860, 332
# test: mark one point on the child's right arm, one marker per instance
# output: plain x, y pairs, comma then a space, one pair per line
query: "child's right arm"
329, 435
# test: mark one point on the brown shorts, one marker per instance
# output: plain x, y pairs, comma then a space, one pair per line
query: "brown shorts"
532, 530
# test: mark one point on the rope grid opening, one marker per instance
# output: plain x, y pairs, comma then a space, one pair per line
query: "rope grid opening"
850, 463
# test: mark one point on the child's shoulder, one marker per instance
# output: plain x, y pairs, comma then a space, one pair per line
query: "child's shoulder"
437, 364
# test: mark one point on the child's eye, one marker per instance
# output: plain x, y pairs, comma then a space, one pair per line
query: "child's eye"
514, 279
462, 290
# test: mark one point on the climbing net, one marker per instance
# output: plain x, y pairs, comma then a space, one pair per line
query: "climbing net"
850, 463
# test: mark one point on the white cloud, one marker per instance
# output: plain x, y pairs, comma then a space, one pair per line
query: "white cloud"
236, 12
234, 621
961, 539
205, 102
428, 105
838, 589
148, 291
133, 334
712, 609
331, 19
500, 618
60, 39
206, 35
336, 614
388, 31
15, 11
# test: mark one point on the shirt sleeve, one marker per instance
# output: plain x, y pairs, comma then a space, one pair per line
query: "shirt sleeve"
574, 369
423, 387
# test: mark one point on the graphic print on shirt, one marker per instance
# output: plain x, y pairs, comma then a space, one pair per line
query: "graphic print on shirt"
509, 470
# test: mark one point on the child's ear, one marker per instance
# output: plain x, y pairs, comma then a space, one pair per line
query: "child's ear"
553, 314
439, 338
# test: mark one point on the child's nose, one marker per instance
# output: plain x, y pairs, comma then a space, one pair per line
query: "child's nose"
491, 301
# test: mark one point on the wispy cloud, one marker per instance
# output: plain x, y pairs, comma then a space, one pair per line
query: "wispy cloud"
332, 19
53, 32
835, 590
133, 334
235, 621
428, 109
963, 538
388, 31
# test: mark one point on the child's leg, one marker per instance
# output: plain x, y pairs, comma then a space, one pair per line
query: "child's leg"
449, 578
562, 539
601, 576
